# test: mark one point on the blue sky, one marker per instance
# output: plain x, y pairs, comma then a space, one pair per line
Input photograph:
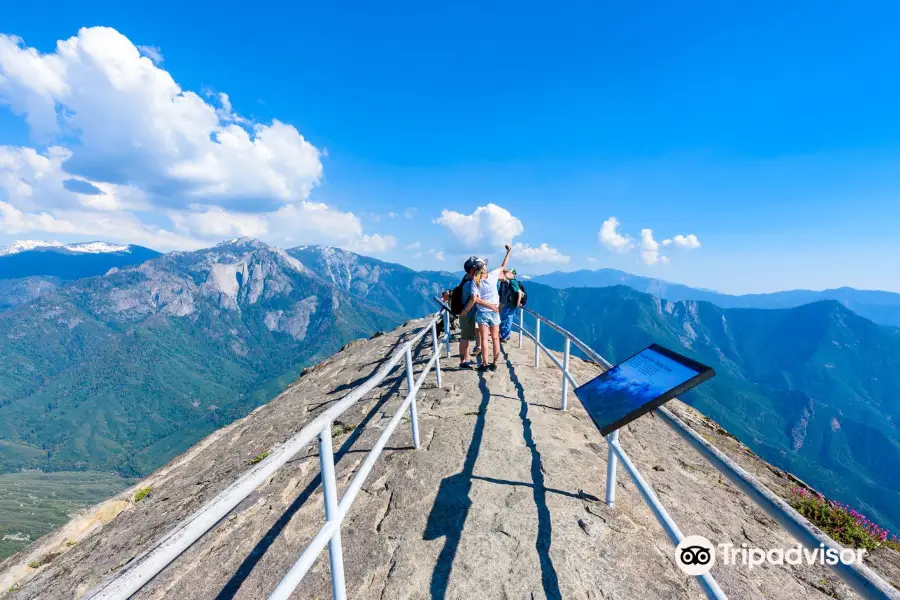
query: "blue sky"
770, 132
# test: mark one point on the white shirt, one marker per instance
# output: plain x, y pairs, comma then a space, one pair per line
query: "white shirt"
487, 289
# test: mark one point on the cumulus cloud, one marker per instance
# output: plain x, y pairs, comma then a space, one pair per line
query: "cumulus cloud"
151, 52
126, 141
542, 254
650, 249
487, 226
610, 237
686, 241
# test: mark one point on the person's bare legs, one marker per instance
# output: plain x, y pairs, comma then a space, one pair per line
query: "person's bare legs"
463, 351
495, 339
485, 332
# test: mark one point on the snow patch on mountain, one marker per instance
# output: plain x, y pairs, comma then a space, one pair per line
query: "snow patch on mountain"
83, 247
96, 247
26, 245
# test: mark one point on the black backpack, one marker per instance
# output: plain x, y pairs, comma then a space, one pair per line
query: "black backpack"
507, 297
456, 298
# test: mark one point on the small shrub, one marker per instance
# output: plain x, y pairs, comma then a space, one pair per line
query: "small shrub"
70, 543
338, 428
35, 564
259, 457
841, 522
141, 494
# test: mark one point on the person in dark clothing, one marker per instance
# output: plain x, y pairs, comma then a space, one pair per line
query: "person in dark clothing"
510, 301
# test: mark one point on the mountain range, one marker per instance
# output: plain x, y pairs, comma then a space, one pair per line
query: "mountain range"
68, 261
812, 389
123, 371
120, 371
878, 306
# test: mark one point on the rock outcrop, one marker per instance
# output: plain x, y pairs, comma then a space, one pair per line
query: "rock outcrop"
502, 500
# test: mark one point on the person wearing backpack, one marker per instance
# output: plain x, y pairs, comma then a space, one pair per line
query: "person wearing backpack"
511, 298
462, 302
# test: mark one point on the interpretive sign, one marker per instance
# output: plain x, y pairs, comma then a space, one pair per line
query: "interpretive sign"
639, 384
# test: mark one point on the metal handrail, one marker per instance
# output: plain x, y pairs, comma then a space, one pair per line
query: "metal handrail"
148, 564
863, 580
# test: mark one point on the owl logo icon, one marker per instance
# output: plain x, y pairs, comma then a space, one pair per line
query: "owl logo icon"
695, 555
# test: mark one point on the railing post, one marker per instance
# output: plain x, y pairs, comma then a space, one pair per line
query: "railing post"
447, 331
521, 325
329, 485
611, 462
437, 352
411, 382
565, 384
537, 342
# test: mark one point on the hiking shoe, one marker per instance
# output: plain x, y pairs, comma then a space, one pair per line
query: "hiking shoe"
467, 365
493, 367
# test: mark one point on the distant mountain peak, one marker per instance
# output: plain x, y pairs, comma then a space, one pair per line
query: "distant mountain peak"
96, 247
243, 242
25, 245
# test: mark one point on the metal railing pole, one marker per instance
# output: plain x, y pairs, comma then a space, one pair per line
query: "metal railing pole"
521, 325
611, 462
329, 484
537, 341
447, 331
707, 583
565, 380
437, 351
411, 382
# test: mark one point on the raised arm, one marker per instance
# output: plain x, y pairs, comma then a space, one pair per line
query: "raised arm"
506, 258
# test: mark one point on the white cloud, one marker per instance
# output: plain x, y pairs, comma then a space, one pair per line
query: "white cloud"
217, 223
373, 244
610, 237
542, 254
135, 125
141, 150
414, 246
650, 249
391, 215
439, 255
686, 241
151, 52
487, 226
591, 259
409, 213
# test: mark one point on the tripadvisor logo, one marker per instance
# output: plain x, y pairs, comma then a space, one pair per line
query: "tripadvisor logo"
695, 555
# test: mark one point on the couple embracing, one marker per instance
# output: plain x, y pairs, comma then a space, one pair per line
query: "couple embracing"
482, 304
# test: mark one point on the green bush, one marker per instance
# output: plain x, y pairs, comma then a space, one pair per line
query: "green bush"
339, 428
259, 457
141, 494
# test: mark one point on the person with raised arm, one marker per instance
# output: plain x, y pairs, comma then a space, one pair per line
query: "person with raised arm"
487, 315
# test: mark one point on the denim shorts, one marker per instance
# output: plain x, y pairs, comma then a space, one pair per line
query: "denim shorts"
487, 317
